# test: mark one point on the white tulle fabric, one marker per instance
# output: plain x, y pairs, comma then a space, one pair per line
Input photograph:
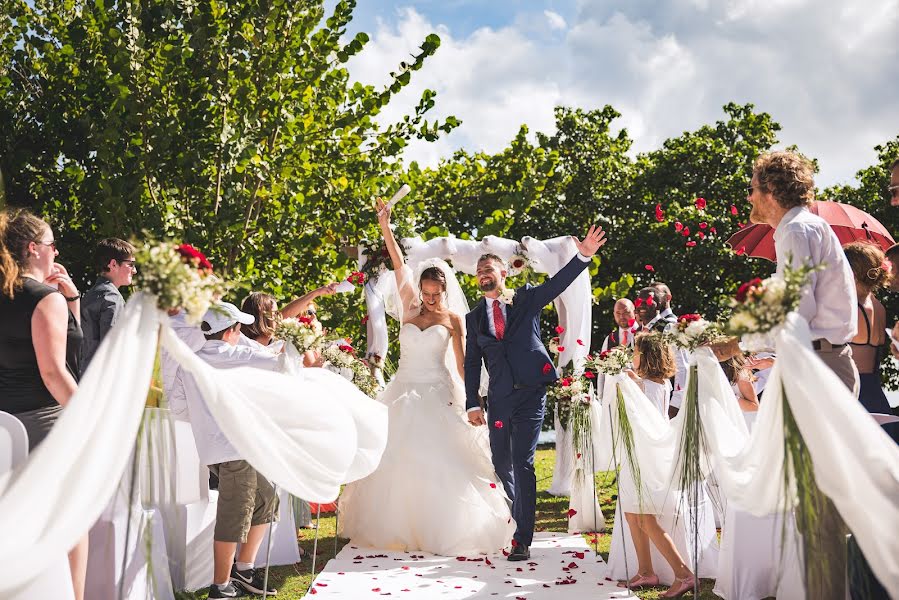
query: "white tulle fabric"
291, 430
435, 489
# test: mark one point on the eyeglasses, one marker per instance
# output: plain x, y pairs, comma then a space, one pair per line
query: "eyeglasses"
893, 190
51, 243
129, 263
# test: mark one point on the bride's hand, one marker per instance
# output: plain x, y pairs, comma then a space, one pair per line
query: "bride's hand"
383, 213
476, 417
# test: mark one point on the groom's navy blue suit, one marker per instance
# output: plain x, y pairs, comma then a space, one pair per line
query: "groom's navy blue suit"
520, 369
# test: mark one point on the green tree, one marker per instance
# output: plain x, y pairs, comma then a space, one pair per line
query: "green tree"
230, 124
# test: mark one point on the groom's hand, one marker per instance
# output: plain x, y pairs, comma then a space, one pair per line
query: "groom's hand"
593, 241
476, 417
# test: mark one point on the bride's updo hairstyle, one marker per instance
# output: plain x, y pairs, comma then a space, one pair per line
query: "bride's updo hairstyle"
433, 274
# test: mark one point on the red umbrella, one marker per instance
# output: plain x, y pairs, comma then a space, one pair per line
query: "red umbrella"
849, 223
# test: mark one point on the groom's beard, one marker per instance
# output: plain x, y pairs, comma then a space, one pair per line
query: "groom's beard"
487, 286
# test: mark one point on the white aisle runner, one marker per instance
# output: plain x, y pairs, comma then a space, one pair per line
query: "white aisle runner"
562, 566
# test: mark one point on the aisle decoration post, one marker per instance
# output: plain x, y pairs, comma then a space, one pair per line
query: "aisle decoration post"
760, 310
691, 464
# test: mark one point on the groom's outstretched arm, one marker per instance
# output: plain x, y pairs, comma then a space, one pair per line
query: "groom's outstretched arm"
473, 362
546, 292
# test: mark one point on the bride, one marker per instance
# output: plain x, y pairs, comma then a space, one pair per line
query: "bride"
435, 489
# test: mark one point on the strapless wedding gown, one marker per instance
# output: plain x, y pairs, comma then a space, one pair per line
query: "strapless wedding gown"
435, 488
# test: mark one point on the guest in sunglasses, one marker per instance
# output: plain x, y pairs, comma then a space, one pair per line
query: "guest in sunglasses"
103, 303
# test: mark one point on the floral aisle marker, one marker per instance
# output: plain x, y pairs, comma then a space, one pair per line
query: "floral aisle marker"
341, 358
689, 333
178, 277
760, 310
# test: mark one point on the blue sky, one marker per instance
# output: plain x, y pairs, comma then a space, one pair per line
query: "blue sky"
827, 70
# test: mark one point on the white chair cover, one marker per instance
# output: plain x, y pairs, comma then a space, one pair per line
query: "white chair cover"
56, 579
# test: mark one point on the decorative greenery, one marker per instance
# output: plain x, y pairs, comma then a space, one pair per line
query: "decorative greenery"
623, 437
569, 396
818, 525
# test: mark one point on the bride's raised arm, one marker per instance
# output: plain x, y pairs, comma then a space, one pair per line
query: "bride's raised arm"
403, 275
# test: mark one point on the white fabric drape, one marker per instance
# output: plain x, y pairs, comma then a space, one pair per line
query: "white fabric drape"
308, 435
47, 505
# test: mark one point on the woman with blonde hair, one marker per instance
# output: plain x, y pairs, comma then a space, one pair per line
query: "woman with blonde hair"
40, 337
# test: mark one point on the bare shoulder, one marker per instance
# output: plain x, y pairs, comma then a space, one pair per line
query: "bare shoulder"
456, 322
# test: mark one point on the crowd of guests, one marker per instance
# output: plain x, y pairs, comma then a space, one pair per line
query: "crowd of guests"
848, 325
50, 332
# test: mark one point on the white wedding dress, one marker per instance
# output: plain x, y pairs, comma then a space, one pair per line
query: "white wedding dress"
435, 489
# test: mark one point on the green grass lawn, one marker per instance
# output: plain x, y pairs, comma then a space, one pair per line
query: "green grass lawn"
293, 581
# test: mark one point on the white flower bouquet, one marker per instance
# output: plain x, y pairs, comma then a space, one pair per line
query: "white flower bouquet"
692, 331
342, 359
304, 333
179, 276
760, 307
613, 361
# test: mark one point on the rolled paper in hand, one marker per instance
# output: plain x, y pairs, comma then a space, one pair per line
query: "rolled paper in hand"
344, 286
405, 189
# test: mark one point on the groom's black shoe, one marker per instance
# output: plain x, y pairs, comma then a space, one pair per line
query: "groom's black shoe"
520, 552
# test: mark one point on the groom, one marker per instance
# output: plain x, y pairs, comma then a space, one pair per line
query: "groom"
504, 330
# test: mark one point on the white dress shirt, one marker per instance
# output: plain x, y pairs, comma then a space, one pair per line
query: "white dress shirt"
172, 384
829, 303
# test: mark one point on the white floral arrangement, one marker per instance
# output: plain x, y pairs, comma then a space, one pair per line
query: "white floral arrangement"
692, 331
304, 333
519, 263
761, 306
179, 276
570, 396
613, 361
341, 358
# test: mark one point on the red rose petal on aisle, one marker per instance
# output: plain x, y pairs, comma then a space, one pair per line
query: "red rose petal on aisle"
547, 368
580, 555
571, 512
376, 589
559, 329
313, 591
498, 424
650, 268
322, 584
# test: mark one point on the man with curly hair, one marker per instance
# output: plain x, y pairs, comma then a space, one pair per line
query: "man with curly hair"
781, 191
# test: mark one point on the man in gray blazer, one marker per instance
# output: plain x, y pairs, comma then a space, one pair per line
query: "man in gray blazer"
103, 303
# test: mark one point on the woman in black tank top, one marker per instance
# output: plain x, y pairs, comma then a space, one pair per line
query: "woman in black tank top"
871, 272
40, 338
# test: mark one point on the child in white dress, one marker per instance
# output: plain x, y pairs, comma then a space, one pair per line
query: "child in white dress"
654, 366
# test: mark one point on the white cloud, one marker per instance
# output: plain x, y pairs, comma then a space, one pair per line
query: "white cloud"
827, 71
554, 20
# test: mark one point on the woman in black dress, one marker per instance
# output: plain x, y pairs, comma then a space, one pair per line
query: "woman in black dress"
40, 337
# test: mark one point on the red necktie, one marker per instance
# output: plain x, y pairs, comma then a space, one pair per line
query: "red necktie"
499, 322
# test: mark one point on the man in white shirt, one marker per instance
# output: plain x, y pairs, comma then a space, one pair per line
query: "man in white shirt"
781, 190
247, 502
